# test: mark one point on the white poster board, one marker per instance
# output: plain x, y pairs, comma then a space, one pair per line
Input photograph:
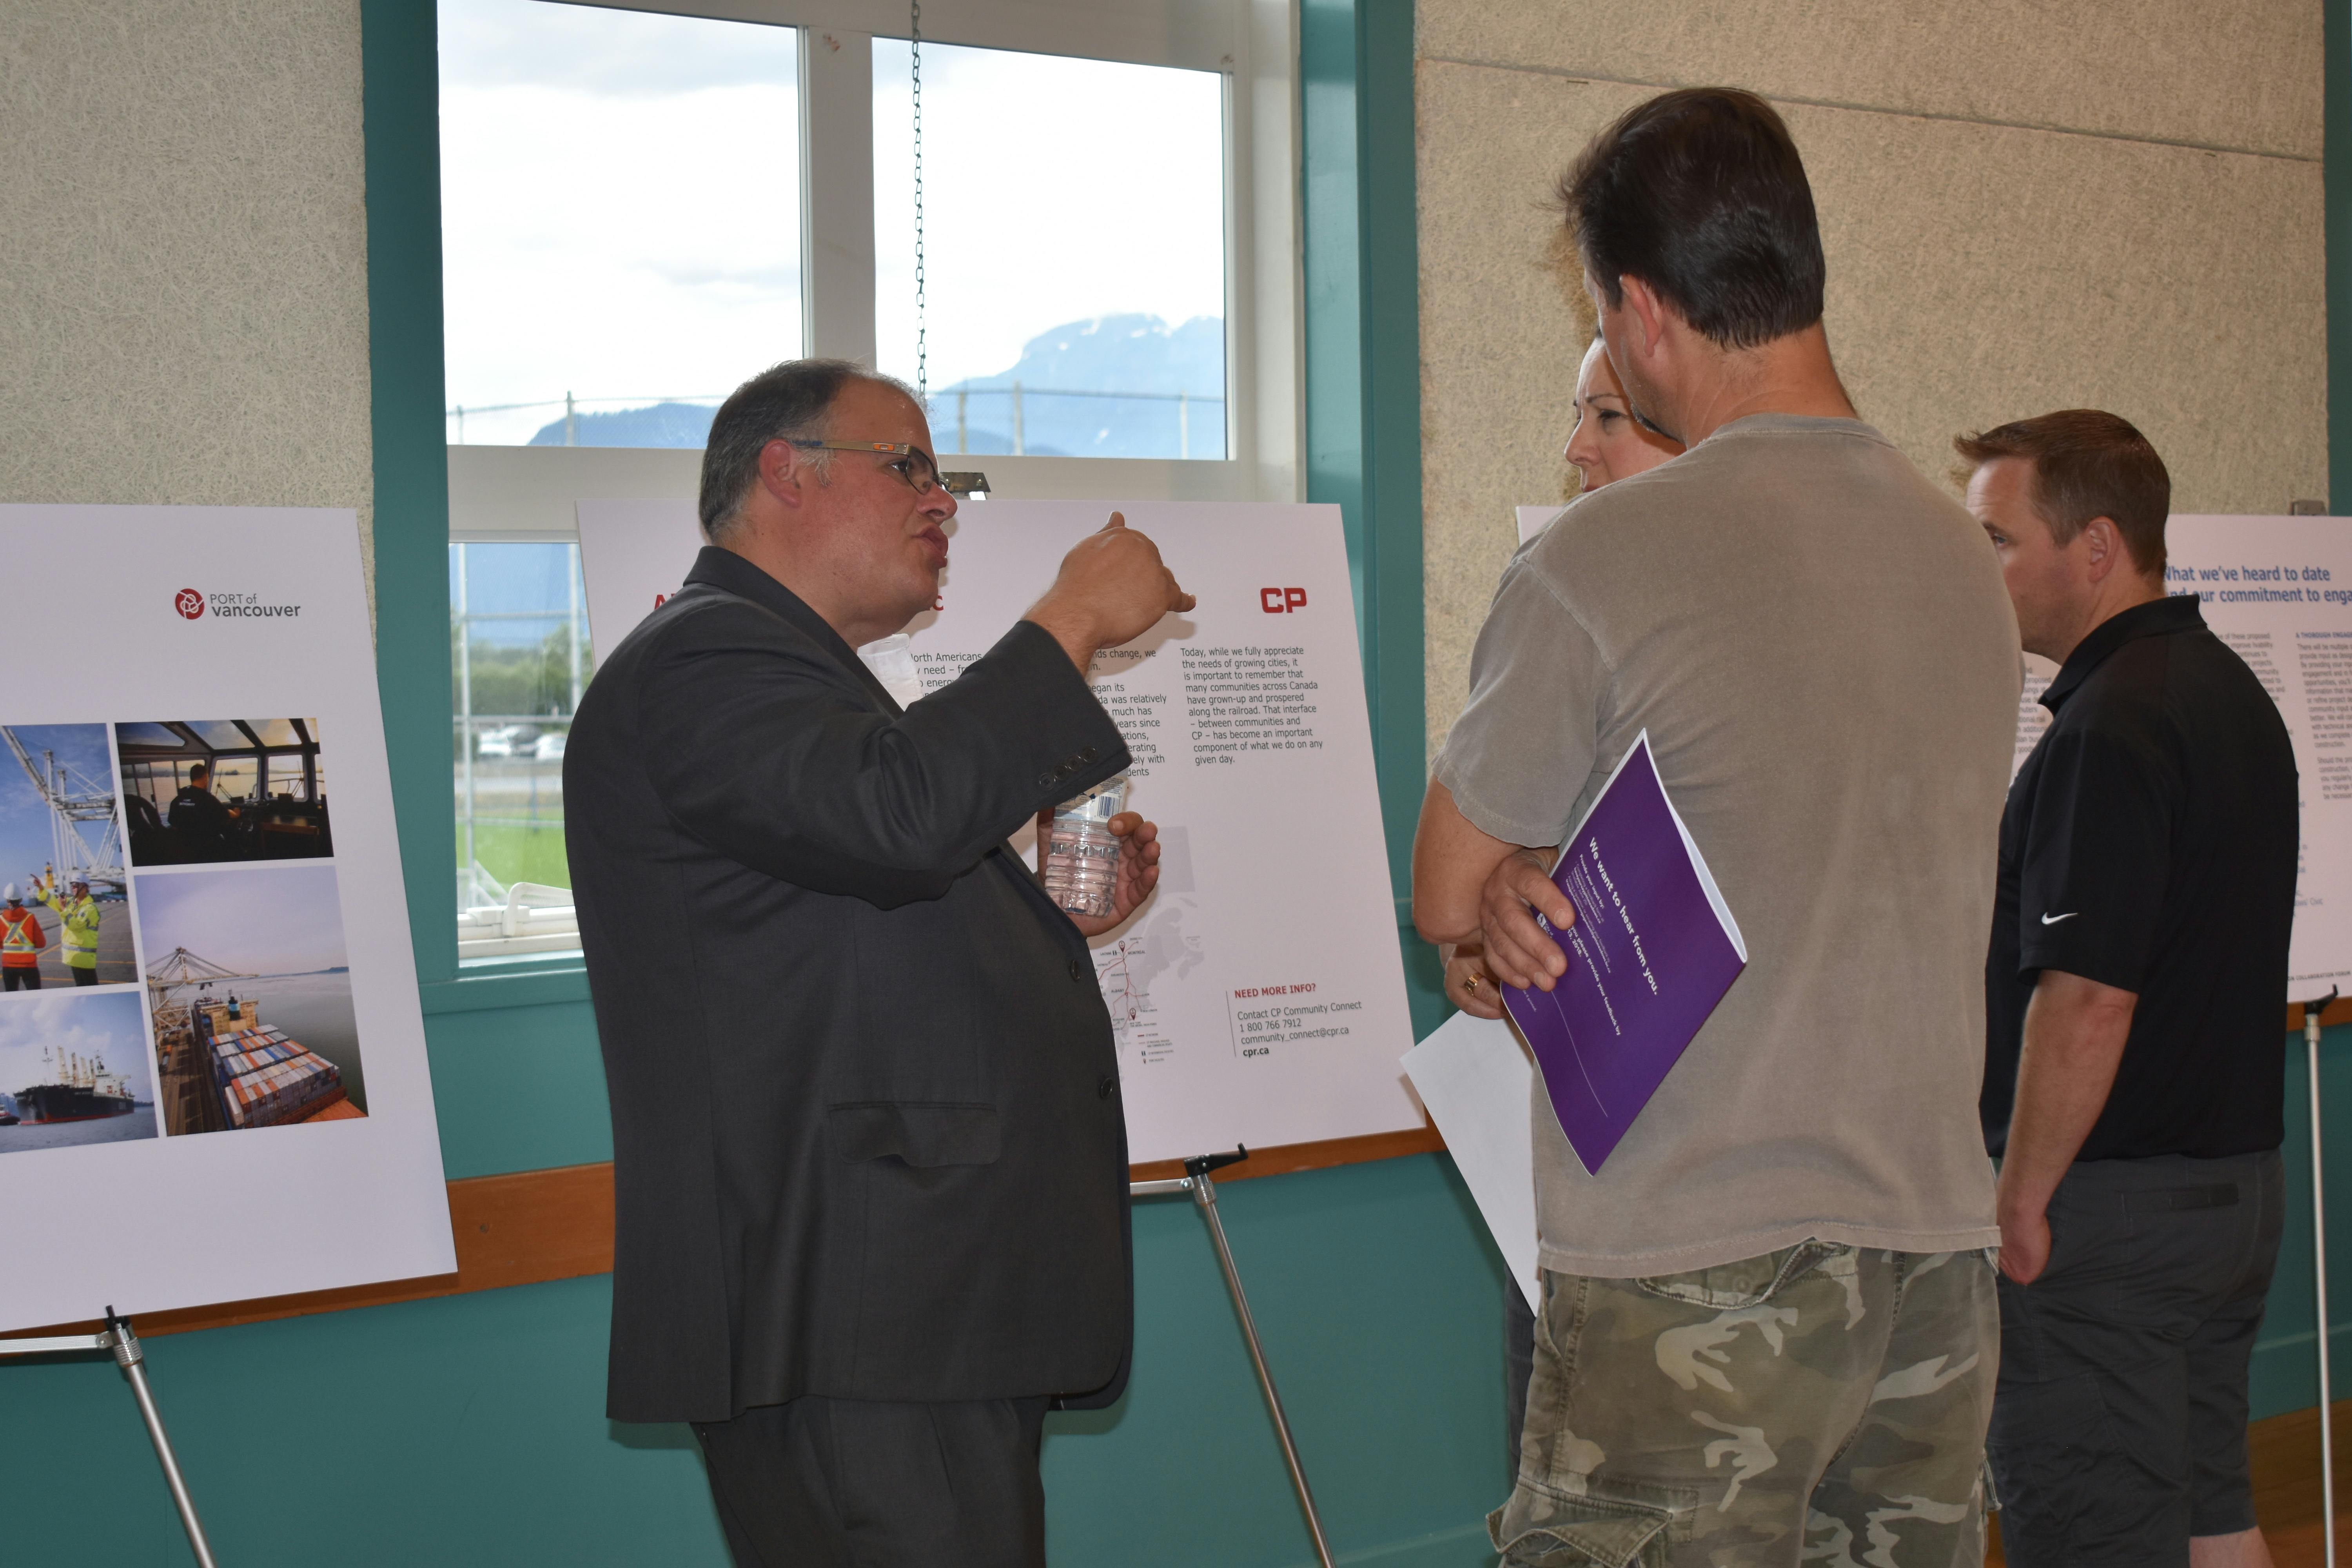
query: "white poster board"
160, 1147
1259, 997
1480, 1086
2279, 591
1531, 520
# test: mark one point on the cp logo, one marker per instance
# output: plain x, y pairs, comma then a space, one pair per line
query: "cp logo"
189, 602
1281, 601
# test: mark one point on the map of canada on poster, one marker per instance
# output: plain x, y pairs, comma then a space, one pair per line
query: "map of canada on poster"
213, 1079
1258, 998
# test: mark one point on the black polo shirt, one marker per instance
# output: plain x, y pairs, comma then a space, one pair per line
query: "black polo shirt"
2151, 843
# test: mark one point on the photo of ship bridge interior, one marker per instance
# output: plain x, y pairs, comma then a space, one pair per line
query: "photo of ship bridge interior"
206, 791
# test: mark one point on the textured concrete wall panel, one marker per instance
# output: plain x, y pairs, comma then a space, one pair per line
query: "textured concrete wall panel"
2244, 76
182, 253
1976, 273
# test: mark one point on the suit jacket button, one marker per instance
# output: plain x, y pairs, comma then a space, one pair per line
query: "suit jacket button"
1089, 756
1103, 1090
1078, 971
1047, 781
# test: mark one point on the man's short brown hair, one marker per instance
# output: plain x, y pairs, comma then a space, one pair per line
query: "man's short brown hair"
2086, 464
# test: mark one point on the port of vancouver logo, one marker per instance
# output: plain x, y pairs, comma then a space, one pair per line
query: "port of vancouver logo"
192, 605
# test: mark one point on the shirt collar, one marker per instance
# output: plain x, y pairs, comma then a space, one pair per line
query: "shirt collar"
2156, 618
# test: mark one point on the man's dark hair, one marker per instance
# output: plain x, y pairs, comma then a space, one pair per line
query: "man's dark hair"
2086, 464
1700, 195
784, 400
199, 770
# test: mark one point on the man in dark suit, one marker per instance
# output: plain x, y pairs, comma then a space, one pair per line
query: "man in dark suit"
869, 1157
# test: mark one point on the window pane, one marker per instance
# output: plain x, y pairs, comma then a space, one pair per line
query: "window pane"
1074, 250
520, 657
620, 219
232, 777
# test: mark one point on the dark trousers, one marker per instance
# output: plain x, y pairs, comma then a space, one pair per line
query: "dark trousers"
856, 1483
2120, 1423
84, 976
13, 979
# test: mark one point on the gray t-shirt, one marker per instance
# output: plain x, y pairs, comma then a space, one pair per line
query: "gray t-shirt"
1820, 645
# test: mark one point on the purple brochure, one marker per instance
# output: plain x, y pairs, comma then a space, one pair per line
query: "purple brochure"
1652, 950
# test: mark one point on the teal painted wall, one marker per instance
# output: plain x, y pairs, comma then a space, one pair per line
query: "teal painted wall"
470, 1430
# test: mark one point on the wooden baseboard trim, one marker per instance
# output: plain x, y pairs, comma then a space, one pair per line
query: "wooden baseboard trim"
1290, 1157
2336, 1012
531, 1226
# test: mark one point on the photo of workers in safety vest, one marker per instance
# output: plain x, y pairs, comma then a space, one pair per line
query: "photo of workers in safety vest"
66, 920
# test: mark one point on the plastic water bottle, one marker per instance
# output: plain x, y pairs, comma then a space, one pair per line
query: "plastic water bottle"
1081, 855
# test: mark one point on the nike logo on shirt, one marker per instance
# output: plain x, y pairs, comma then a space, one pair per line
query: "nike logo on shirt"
2053, 920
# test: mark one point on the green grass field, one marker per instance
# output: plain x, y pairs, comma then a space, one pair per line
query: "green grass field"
513, 854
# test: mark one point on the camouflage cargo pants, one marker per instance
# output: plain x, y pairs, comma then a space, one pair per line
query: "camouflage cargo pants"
1818, 1404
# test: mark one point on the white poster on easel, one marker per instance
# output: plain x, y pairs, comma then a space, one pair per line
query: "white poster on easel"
213, 1078
2279, 591
1259, 997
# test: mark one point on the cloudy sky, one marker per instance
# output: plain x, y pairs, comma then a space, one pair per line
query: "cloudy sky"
23, 820
1054, 190
105, 1025
262, 920
621, 208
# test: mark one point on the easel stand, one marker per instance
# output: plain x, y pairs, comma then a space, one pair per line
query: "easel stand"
2311, 1011
117, 1340
1196, 1180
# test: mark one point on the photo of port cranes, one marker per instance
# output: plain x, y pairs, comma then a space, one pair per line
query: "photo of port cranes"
61, 822
249, 997
223, 1066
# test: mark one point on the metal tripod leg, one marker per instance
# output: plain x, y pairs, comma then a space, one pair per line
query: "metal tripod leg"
1204, 1195
1197, 1182
2311, 1011
118, 1340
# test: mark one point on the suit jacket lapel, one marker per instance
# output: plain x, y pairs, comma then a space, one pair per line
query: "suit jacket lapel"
731, 573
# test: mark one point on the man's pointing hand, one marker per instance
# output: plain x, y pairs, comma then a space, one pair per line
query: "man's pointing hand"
1112, 589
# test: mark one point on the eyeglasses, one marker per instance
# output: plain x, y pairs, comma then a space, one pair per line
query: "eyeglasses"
914, 464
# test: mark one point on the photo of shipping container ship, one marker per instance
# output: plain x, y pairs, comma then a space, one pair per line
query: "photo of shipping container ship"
249, 997
73, 1069
224, 1067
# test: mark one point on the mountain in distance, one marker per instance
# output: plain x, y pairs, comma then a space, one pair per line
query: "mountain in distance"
1124, 353
657, 425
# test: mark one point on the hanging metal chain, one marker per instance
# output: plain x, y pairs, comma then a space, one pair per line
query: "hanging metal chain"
922, 353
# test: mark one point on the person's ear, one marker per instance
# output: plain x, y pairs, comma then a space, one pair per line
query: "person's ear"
783, 472
1647, 313
2103, 550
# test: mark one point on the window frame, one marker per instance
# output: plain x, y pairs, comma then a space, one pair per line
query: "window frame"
519, 492
498, 493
